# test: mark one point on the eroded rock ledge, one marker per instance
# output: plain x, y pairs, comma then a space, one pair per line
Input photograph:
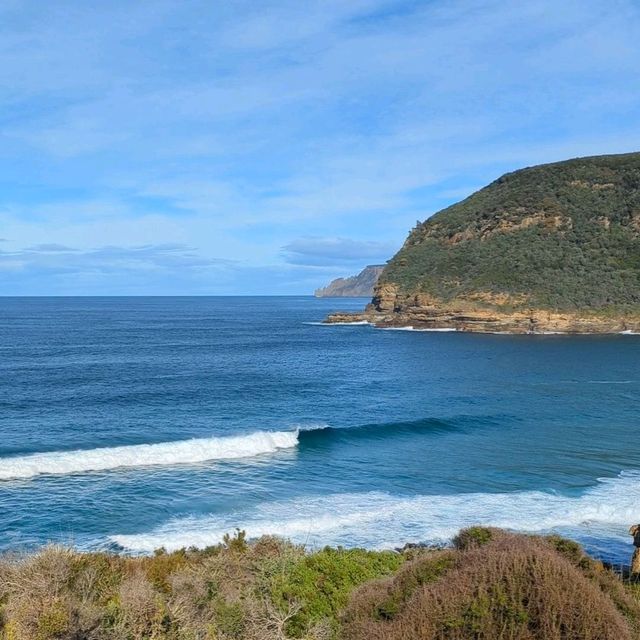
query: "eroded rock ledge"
388, 309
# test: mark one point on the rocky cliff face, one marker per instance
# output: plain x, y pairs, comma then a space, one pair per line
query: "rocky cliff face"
360, 286
554, 248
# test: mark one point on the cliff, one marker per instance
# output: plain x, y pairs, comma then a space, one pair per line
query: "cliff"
551, 248
359, 286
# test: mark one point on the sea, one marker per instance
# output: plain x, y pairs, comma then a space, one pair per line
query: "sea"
131, 424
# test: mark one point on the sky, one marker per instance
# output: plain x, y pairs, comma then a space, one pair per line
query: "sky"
220, 147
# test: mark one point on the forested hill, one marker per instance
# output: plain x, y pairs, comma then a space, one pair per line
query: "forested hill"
562, 236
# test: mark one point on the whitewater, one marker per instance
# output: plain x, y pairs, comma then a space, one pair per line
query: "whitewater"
143, 455
380, 520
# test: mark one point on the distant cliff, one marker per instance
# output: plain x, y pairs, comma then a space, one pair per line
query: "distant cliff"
360, 286
549, 248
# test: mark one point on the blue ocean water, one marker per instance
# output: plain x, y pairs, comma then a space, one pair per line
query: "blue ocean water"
134, 423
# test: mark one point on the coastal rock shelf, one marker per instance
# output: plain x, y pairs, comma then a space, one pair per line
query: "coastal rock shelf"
538, 321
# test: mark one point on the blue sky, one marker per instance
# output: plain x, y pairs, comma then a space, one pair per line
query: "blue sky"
250, 147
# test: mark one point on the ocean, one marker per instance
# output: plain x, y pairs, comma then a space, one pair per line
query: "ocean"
129, 424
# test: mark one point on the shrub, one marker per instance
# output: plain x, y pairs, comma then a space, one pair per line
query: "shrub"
420, 572
141, 613
161, 566
53, 621
321, 583
514, 587
474, 537
236, 542
36, 607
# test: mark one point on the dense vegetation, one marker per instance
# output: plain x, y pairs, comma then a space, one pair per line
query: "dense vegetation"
558, 236
494, 586
267, 590
490, 585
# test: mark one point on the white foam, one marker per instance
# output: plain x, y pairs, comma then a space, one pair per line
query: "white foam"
528, 333
611, 381
421, 329
338, 324
629, 332
381, 520
550, 333
142, 455
355, 323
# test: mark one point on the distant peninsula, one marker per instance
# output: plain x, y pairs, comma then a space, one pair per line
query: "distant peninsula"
359, 286
553, 248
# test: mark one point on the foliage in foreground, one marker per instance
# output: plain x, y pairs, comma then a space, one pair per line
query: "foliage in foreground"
489, 585
267, 590
495, 585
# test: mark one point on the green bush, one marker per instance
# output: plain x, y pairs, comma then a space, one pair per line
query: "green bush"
321, 582
53, 621
474, 537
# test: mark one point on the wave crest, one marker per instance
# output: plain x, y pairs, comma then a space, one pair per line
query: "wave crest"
142, 455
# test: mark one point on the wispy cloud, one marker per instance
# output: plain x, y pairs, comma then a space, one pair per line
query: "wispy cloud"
172, 269
40, 249
63, 259
336, 251
106, 268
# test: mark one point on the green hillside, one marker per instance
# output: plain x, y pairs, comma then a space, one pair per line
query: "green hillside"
562, 236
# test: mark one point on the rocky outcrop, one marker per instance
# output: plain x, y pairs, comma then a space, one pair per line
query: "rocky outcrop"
547, 249
421, 311
359, 286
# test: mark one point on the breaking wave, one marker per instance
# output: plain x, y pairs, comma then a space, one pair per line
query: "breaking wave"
200, 450
377, 430
143, 455
381, 520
